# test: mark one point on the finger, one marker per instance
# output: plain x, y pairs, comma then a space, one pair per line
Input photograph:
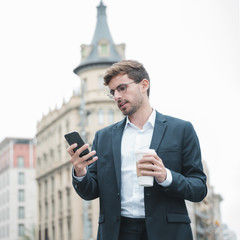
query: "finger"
148, 159
81, 149
154, 159
70, 149
80, 166
89, 155
147, 167
91, 161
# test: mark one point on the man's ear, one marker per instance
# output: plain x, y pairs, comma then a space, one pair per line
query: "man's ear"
145, 85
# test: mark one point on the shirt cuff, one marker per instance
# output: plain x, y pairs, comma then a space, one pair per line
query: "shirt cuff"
168, 180
77, 178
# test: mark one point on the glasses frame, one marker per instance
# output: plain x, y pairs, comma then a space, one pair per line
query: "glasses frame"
125, 85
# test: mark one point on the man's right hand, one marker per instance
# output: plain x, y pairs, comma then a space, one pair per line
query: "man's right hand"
80, 163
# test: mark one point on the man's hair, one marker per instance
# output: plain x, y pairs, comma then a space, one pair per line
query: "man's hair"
132, 68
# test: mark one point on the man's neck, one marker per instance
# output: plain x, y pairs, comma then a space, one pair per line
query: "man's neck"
140, 117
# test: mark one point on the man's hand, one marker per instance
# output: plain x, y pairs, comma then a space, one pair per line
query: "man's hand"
152, 165
80, 163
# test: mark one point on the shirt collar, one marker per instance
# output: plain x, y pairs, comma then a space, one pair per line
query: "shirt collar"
151, 120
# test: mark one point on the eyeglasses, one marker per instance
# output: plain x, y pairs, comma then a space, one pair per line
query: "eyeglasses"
122, 88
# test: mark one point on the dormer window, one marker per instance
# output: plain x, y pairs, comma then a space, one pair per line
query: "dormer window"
103, 48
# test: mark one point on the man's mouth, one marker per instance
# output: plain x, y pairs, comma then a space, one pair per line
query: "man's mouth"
121, 104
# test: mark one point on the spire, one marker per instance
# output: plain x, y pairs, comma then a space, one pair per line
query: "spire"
102, 49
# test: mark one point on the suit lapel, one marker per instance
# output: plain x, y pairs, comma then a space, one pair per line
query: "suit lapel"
116, 148
159, 130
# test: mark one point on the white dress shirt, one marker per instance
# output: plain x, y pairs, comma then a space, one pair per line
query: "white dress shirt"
132, 195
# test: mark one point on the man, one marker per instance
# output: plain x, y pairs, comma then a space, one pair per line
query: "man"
129, 211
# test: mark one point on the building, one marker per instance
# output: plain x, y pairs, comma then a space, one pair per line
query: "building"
17, 189
62, 215
206, 215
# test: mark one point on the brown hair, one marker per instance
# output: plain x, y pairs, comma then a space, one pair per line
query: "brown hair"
132, 68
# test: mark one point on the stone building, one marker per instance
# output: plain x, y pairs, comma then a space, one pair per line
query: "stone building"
206, 215
62, 215
17, 188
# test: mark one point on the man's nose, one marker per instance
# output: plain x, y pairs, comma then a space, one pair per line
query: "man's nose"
117, 95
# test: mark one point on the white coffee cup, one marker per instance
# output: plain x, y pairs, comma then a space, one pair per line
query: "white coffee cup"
146, 181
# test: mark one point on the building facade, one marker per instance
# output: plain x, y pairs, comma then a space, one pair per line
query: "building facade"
62, 215
17, 189
206, 215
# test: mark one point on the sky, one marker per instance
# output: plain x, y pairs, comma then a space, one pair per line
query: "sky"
190, 48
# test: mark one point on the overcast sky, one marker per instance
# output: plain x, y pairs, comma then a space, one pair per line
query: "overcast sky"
190, 49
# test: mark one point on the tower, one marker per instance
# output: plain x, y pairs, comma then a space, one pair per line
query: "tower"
95, 59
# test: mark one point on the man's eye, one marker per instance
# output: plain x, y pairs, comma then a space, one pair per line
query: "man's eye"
121, 88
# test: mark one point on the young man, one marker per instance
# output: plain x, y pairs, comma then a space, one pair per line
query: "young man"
129, 211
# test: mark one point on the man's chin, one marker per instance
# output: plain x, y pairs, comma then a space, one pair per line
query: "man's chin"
127, 113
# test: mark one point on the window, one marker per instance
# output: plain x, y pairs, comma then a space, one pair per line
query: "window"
21, 195
68, 198
51, 154
20, 161
53, 208
21, 213
46, 210
110, 116
61, 230
21, 230
60, 200
53, 232
69, 229
21, 178
100, 117
39, 189
60, 132
59, 151
103, 48
52, 184
100, 82
67, 126
45, 158
46, 187
39, 161
39, 233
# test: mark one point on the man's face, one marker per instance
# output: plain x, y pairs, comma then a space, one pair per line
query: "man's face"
129, 98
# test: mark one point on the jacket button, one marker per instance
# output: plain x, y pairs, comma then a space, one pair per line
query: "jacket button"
118, 194
118, 219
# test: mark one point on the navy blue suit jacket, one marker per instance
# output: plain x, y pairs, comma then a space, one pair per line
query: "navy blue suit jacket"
176, 143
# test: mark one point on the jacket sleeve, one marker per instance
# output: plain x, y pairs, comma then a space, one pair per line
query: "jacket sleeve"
190, 183
88, 187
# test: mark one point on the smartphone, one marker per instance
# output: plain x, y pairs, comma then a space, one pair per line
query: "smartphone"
74, 137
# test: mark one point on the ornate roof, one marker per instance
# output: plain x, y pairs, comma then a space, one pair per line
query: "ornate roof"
102, 49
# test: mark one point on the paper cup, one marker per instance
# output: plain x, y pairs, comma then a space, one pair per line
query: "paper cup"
146, 181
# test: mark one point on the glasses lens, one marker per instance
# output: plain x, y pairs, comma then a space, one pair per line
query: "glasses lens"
122, 88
